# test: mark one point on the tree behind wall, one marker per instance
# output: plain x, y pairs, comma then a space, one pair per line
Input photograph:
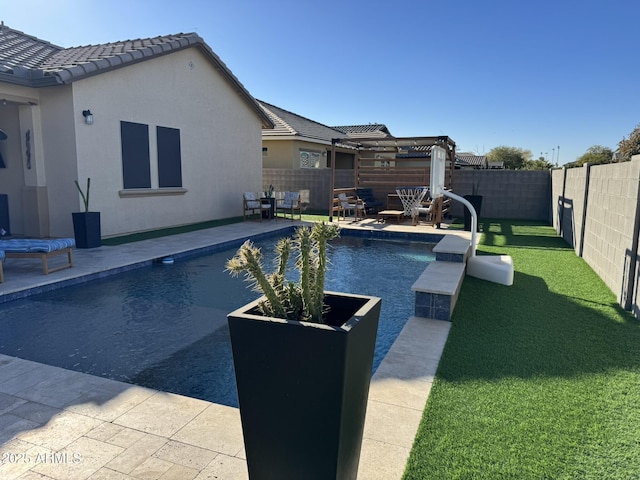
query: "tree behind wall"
595, 155
539, 164
513, 158
630, 146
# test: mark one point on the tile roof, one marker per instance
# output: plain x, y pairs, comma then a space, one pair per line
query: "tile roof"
470, 160
78, 61
18, 49
290, 124
27, 57
27, 60
369, 130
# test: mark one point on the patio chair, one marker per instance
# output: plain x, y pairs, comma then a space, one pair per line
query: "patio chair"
422, 210
337, 208
289, 204
251, 202
370, 203
433, 212
357, 206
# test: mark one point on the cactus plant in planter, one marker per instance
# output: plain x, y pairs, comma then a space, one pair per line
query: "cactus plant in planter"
303, 359
86, 225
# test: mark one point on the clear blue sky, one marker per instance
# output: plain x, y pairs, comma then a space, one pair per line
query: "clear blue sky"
530, 74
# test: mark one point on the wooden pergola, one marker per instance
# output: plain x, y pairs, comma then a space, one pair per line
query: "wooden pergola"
382, 164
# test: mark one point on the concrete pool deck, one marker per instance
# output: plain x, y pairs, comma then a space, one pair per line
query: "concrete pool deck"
61, 424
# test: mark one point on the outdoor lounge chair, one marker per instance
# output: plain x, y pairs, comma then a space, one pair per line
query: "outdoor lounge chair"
289, 205
357, 206
251, 202
40, 248
370, 203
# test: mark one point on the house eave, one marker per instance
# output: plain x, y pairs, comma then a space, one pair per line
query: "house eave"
46, 81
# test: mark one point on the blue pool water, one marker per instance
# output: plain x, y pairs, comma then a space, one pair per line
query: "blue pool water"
165, 327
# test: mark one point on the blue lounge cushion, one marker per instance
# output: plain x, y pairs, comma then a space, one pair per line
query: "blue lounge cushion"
28, 245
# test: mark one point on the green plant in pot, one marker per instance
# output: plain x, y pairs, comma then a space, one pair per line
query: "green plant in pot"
303, 361
86, 225
269, 193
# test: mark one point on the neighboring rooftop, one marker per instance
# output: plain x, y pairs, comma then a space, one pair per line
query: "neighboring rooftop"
365, 131
464, 159
289, 124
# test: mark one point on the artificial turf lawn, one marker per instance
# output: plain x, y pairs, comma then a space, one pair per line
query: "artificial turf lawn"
164, 232
539, 380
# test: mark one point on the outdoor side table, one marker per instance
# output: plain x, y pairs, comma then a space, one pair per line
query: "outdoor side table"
384, 215
268, 214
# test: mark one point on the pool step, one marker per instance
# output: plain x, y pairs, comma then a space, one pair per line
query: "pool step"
452, 249
437, 288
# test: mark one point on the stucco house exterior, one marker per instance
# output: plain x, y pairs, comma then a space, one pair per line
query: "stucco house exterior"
296, 142
166, 132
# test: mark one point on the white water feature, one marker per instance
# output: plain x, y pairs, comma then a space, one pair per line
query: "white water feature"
494, 268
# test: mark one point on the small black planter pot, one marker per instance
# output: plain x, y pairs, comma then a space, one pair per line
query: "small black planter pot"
476, 201
271, 201
303, 388
86, 229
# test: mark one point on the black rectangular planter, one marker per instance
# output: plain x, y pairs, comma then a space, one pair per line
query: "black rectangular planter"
303, 388
86, 229
476, 201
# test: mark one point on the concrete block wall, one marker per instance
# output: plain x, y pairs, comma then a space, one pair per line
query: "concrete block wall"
557, 179
314, 185
507, 193
570, 205
610, 223
522, 194
596, 210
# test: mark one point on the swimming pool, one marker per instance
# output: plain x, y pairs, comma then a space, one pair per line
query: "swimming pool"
165, 327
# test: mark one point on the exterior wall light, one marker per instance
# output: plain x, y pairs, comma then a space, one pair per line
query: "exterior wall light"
88, 117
